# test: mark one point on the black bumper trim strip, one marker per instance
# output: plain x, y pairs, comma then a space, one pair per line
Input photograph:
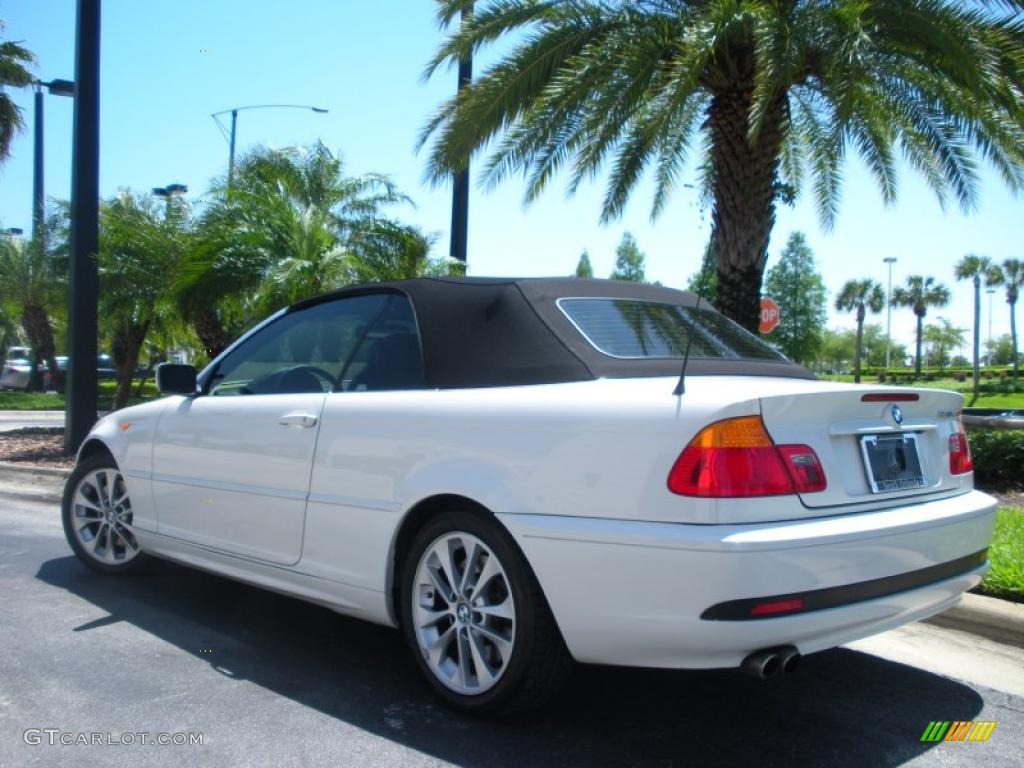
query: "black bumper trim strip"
847, 594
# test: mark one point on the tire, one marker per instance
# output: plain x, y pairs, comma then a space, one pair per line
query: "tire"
97, 517
491, 645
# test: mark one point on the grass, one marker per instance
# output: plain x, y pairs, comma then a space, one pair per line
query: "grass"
46, 401
1005, 576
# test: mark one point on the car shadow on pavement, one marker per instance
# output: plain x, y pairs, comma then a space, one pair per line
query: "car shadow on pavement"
841, 708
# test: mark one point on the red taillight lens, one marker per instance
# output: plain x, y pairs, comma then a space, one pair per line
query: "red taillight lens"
890, 397
736, 457
960, 462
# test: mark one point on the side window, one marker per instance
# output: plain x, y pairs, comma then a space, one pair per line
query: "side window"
304, 351
389, 356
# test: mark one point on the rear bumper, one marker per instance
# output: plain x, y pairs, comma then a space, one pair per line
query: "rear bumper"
632, 593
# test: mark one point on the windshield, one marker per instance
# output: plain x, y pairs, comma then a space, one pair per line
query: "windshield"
631, 328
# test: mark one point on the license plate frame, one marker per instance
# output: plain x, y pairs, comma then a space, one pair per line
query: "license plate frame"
892, 462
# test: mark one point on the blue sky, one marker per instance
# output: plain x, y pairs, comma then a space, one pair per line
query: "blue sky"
167, 66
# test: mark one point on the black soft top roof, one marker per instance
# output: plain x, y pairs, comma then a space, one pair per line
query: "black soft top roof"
490, 332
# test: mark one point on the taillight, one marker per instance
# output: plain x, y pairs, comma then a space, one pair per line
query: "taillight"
736, 457
960, 453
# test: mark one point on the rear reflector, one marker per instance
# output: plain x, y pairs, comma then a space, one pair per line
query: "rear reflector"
890, 397
736, 457
778, 606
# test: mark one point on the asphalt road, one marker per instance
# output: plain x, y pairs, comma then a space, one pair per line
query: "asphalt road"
268, 680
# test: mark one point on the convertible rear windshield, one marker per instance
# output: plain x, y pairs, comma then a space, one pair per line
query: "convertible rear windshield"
636, 329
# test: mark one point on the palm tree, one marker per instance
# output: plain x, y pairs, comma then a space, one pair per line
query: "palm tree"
919, 294
31, 286
772, 91
13, 73
974, 268
860, 295
286, 229
141, 244
1011, 275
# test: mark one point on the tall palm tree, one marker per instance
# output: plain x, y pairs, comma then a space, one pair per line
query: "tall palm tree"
14, 61
975, 268
1011, 275
860, 296
920, 293
772, 91
286, 229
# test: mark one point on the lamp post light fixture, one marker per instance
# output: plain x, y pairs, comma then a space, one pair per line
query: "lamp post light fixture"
13, 231
234, 126
890, 260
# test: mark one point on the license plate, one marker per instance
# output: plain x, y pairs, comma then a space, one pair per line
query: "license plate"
892, 462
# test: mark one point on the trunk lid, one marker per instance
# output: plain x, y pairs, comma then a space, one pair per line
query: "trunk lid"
875, 443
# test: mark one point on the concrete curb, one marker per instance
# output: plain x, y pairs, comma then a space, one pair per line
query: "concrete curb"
41, 484
998, 620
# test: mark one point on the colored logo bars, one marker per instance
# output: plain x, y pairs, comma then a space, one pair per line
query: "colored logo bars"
958, 730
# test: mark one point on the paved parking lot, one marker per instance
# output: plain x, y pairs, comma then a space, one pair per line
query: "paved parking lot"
268, 680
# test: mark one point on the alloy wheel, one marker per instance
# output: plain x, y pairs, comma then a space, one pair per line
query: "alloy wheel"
464, 613
101, 518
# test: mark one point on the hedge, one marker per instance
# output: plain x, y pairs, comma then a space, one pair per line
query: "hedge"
998, 457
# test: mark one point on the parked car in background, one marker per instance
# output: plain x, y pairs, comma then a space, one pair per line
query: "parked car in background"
16, 372
104, 369
517, 474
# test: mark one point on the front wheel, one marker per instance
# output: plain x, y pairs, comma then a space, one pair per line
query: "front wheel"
98, 517
475, 617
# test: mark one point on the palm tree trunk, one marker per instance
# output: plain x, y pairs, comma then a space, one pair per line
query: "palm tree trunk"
126, 344
1013, 335
977, 334
210, 331
917, 357
36, 324
860, 340
744, 189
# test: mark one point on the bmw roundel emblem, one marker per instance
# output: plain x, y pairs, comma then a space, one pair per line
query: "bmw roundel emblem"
896, 413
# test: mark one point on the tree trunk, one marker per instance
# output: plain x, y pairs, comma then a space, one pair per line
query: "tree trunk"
1013, 334
977, 333
126, 344
744, 189
210, 331
36, 324
917, 357
860, 340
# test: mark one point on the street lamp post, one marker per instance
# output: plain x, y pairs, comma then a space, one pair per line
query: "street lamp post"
234, 126
83, 276
890, 260
169, 194
56, 88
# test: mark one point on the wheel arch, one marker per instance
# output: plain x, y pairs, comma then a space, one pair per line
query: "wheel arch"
92, 447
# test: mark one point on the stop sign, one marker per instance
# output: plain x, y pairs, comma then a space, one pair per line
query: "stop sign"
769, 315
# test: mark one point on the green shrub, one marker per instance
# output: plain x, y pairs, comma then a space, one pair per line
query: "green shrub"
998, 457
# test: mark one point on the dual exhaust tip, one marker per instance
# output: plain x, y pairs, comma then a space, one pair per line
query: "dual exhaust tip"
771, 662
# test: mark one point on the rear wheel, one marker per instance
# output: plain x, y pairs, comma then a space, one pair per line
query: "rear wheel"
476, 619
98, 518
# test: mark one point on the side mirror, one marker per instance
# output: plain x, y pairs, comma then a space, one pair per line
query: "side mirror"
175, 379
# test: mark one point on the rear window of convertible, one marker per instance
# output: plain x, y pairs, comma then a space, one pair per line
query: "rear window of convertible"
631, 328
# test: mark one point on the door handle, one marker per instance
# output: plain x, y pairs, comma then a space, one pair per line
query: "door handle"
305, 420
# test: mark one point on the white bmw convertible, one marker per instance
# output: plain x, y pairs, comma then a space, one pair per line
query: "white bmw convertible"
520, 473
